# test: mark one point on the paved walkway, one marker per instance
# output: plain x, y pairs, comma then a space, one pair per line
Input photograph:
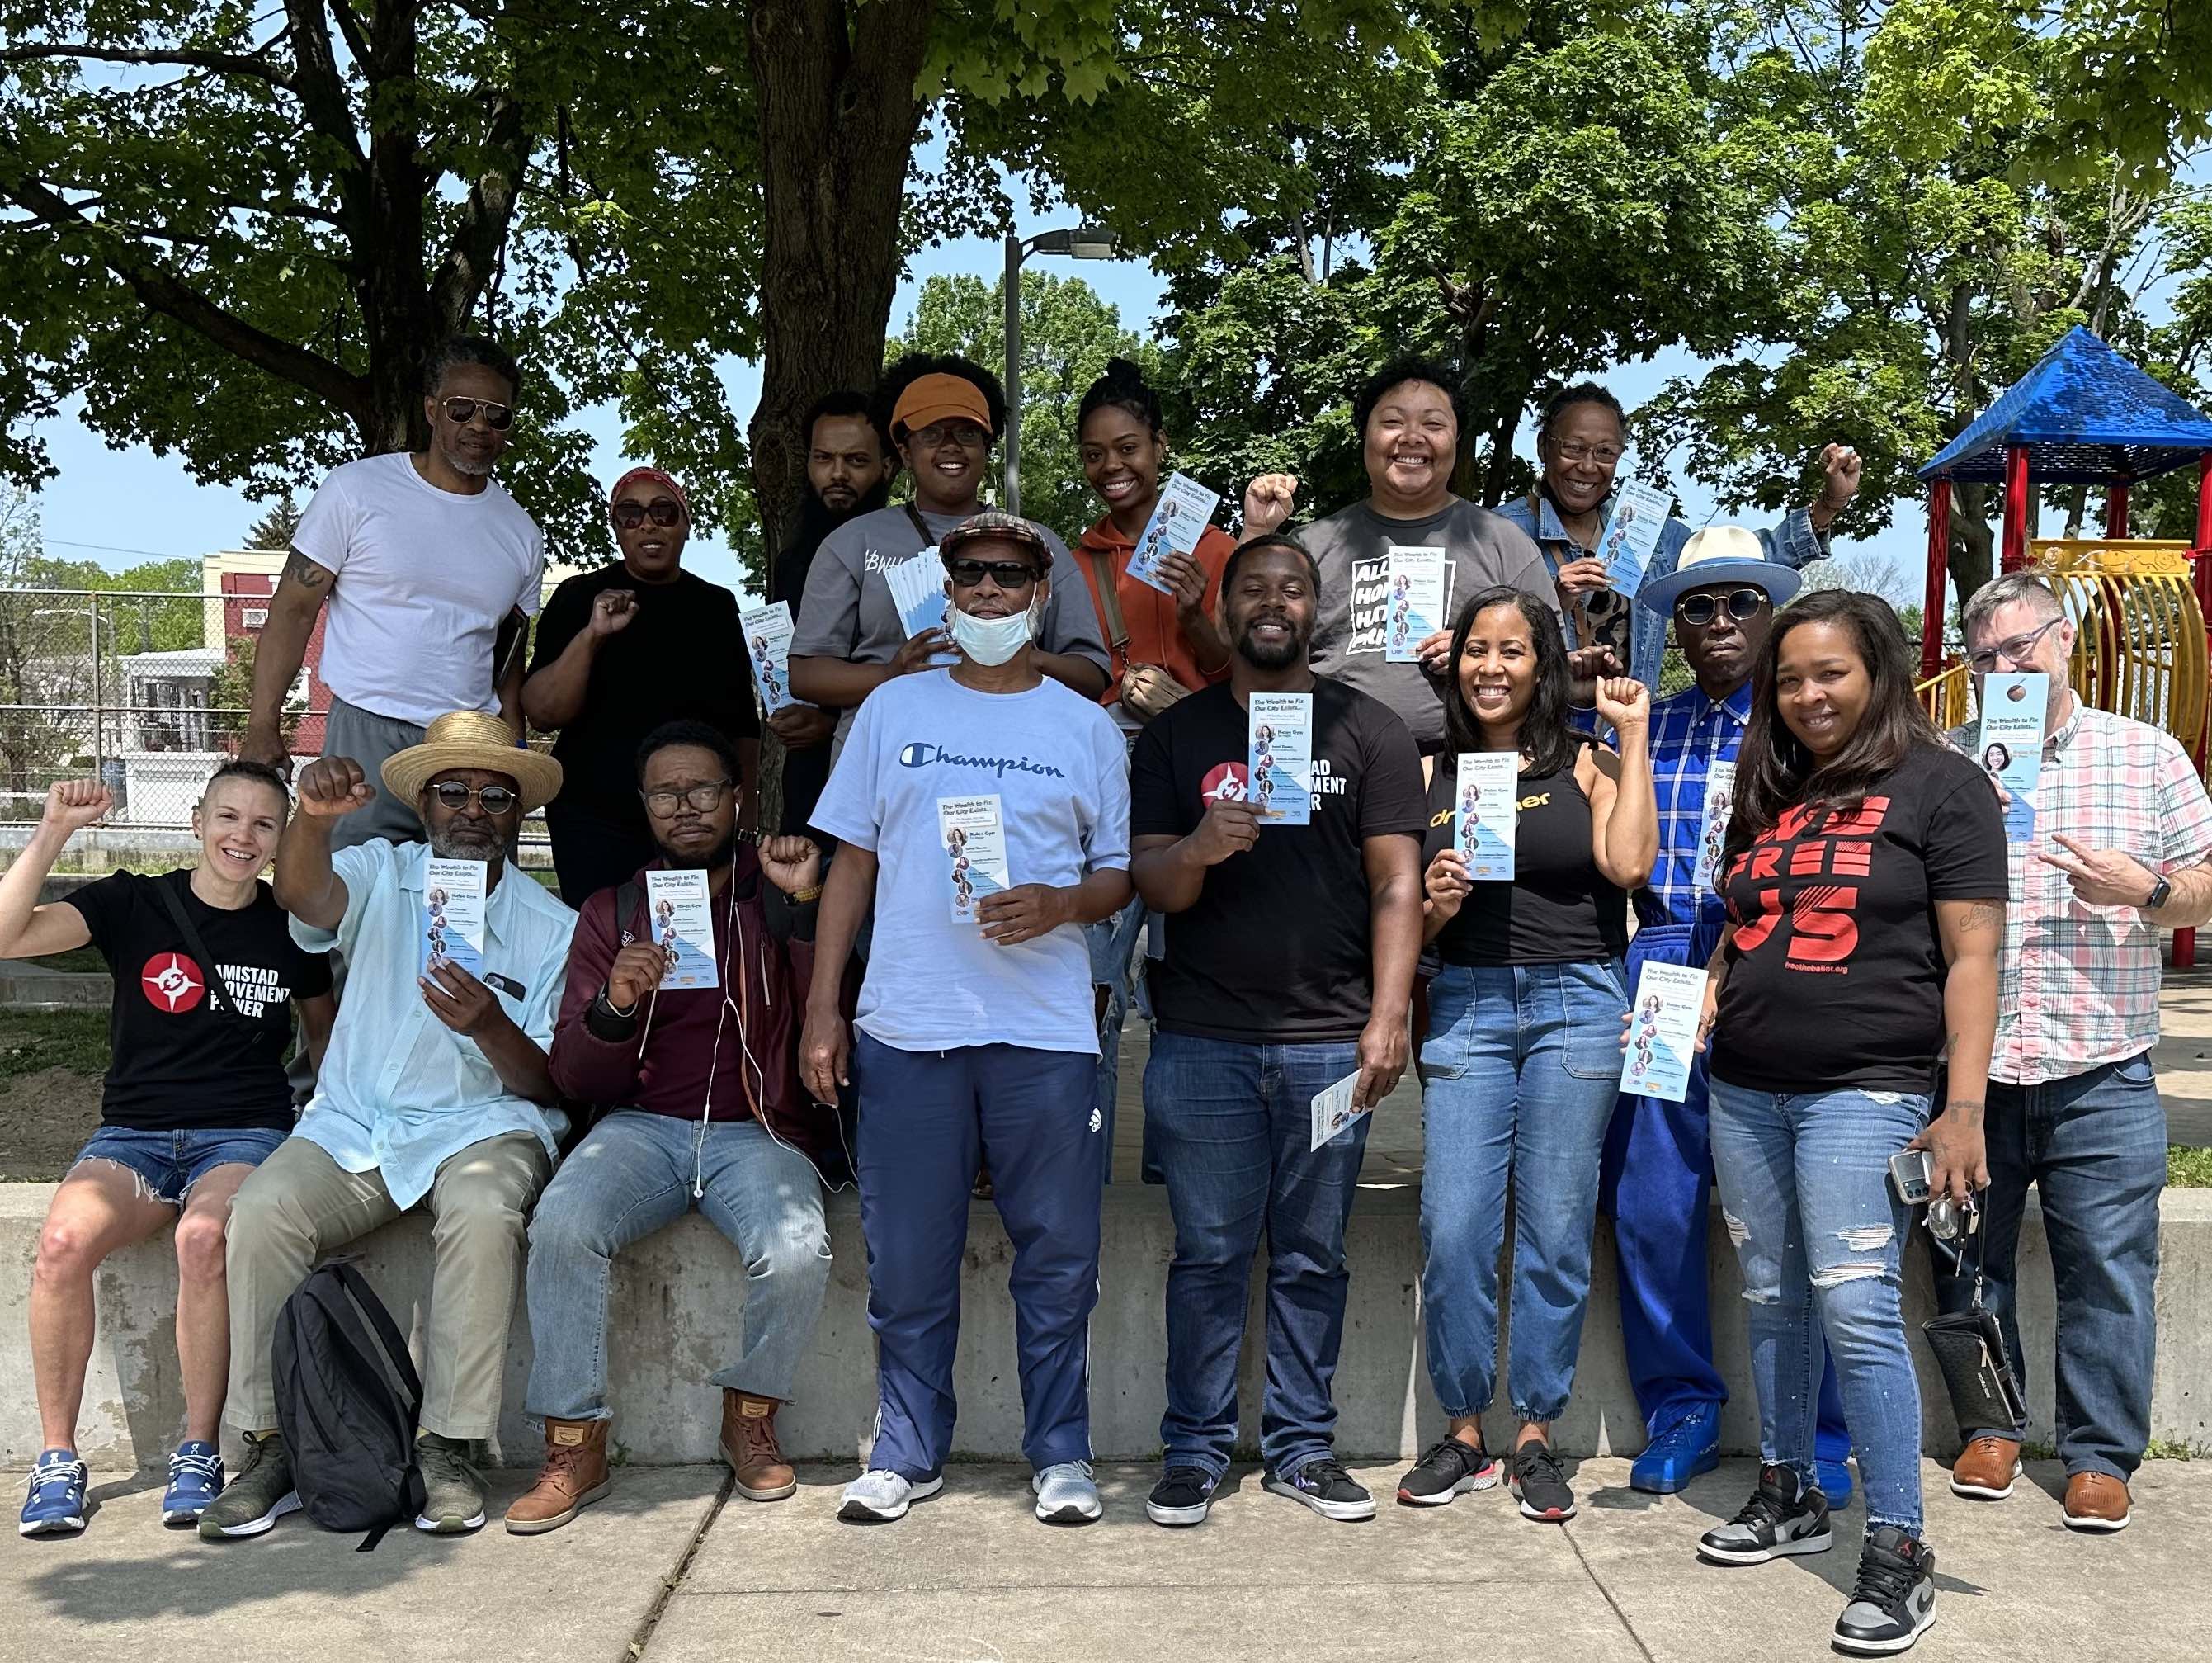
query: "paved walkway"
667, 1571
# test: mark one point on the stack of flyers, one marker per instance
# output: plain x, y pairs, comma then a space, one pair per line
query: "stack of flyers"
974, 840
1280, 754
1485, 791
768, 633
1631, 534
1415, 599
917, 587
1332, 1112
2011, 743
1720, 802
682, 928
1184, 507
1662, 1031
453, 916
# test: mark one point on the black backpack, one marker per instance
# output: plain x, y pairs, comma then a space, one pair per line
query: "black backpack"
346, 1398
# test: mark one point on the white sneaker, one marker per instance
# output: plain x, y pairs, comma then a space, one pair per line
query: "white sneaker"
879, 1495
1066, 1494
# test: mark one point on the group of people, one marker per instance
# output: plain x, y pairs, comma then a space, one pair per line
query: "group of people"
1883, 973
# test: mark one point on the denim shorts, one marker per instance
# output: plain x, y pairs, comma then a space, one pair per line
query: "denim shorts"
169, 1164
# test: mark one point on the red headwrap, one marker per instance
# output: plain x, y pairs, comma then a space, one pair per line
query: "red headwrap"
658, 479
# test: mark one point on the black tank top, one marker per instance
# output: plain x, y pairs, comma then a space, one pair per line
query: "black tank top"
1559, 908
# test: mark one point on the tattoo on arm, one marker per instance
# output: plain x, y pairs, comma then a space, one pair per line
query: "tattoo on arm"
1980, 915
303, 573
1967, 1114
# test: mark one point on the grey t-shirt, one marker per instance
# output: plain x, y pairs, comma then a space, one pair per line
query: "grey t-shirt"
1352, 546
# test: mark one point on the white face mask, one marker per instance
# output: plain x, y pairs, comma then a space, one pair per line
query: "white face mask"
993, 640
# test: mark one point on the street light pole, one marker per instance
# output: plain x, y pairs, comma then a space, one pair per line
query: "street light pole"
1085, 242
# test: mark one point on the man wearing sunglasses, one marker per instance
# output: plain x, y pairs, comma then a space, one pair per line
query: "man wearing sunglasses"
946, 414
436, 1087
1656, 1179
984, 810
429, 570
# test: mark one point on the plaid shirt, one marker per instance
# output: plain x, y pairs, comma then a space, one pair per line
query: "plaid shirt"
2080, 984
1689, 733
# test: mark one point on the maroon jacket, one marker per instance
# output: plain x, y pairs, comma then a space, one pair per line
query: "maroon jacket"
659, 1059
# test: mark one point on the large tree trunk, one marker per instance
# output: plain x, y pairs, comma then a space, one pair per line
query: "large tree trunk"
1973, 540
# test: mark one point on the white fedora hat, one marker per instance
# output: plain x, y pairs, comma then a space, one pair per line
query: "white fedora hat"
1721, 554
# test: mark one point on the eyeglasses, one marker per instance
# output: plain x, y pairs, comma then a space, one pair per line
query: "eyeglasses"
462, 412
1603, 455
494, 800
662, 805
1699, 610
966, 435
660, 510
2014, 651
1006, 574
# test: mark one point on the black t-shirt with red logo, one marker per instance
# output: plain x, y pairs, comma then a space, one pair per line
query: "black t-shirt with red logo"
179, 1064
1835, 976
1278, 948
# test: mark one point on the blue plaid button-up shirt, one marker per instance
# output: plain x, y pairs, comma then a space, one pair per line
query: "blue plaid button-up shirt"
1689, 733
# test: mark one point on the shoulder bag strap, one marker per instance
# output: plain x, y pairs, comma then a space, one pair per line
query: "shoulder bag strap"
1109, 601
218, 995
921, 525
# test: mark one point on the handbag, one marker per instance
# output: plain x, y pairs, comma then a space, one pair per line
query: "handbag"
1970, 1353
1146, 689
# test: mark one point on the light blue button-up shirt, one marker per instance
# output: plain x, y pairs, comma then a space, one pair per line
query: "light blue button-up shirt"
1794, 543
399, 1091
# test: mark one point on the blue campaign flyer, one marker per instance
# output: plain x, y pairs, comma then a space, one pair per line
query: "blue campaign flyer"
453, 916
917, 588
1279, 752
1487, 787
1662, 1031
2010, 743
1631, 534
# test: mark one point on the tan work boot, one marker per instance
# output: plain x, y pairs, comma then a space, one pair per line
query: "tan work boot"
2096, 1502
1985, 1469
749, 1446
574, 1475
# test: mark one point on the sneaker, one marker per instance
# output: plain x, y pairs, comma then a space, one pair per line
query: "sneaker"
55, 1504
258, 1496
1782, 1517
1066, 1494
1985, 1469
1326, 1488
879, 1495
1182, 1496
1541, 1484
1894, 1601
1447, 1469
1834, 1479
453, 1486
195, 1480
1689, 1446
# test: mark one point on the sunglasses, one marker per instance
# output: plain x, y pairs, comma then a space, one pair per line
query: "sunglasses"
1699, 610
462, 412
661, 511
494, 800
937, 435
2014, 651
1006, 574
662, 805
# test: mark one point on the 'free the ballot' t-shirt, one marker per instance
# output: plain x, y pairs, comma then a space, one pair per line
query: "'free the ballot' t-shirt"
1835, 974
1278, 948
178, 1064
1057, 765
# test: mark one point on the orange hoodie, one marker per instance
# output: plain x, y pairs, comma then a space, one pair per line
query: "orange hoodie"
1155, 637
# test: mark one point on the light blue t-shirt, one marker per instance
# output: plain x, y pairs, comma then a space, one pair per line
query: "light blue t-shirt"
1058, 767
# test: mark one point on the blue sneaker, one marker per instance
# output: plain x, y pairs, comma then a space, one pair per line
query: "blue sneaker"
195, 1480
1835, 1483
1690, 1445
55, 1506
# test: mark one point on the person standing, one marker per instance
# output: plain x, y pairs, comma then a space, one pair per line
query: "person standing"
620, 652
1519, 1063
1864, 873
1289, 969
2121, 851
976, 1040
430, 571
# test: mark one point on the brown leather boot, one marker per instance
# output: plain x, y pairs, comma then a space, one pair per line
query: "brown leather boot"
1985, 1469
2096, 1502
574, 1475
749, 1446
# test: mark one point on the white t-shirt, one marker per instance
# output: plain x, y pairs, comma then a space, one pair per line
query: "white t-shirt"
423, 578
1058, 767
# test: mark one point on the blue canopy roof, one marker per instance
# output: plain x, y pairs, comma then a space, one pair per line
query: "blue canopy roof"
2086, 416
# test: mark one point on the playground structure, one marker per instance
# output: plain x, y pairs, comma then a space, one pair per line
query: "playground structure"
2085, 415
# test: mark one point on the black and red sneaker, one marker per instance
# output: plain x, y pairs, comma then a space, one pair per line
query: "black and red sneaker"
1448, 1468
1540, 1485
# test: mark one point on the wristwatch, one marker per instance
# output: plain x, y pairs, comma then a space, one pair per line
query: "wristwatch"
2161, 893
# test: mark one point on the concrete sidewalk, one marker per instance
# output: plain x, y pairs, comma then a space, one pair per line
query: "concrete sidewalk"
971, 1577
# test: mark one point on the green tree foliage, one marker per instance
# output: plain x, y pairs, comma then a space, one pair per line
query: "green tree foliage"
275, 529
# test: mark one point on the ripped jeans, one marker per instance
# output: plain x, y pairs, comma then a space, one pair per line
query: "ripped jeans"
1804, 1185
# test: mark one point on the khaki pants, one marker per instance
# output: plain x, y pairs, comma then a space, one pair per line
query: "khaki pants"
299, 1204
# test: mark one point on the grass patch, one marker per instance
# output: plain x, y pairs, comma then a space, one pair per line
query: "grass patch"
72, 1039
77, 961
2188, 1169
2175, 1449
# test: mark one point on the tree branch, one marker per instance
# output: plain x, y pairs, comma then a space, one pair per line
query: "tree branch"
483, 231
315, 80
181, 58
357, 42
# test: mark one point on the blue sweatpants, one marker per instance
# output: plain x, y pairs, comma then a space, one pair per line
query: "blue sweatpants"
1656, 1185
927, 1120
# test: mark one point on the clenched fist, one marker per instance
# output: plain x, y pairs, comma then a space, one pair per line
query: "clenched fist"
332, 786
73, 804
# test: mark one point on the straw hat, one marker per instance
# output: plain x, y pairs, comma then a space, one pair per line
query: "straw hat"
472, 738
1721, 554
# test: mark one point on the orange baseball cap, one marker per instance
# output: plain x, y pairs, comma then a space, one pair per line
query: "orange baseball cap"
939, 397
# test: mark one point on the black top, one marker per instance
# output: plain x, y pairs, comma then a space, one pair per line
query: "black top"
1278, 948
178, 1064
1835, 975
804, 771
683, 656
1559, 909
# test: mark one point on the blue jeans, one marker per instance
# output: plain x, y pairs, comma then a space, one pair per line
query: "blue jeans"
2095, 1147
1518, 1072
1233, 1129
169, 1164
1113, 943
1805, 1190
633, 1174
